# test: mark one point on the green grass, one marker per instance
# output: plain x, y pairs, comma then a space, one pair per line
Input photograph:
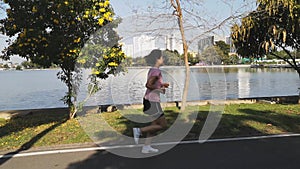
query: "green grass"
40, 129
258, 119
53, 128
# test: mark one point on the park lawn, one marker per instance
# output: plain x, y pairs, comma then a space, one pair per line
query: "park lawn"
237, 120
40, 129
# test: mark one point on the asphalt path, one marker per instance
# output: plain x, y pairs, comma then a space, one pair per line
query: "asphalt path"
263, 153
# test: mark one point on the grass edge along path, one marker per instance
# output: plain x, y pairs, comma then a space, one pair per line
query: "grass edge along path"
51, 128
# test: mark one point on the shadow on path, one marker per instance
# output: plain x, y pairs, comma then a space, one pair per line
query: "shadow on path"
275, 153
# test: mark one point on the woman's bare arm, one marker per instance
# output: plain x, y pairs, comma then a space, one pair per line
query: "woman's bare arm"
151, 82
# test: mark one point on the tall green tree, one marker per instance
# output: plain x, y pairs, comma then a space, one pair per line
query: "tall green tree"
211, 56
172, 58
54, 32
223, 51
225, 48
273, 26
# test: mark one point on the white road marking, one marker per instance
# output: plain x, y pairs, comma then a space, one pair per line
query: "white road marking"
134, 146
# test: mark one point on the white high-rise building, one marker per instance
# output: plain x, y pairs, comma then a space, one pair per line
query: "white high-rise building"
173, 43
139, 46
128, 49
142, 45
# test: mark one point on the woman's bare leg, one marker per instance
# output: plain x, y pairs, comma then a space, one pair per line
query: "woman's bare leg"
155, 126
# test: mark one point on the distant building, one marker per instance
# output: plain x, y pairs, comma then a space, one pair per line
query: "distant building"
142, 45
230, 43
205, 43
128, 49
174, 43
139, 46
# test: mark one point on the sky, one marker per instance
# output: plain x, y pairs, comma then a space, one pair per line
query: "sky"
215, 7
212, 13
215, 11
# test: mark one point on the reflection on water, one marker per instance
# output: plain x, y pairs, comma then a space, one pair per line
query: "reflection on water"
206, 84
41, 89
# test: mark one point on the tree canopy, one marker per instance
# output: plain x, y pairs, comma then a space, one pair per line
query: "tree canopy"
273, 26
55, 31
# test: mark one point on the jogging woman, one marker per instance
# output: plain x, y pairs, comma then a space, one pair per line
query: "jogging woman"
151, 102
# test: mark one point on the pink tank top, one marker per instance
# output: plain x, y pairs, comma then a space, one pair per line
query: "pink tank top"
154, 95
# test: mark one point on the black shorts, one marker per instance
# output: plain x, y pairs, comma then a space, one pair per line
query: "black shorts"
152, 109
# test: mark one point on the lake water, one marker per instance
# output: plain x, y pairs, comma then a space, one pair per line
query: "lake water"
41, 88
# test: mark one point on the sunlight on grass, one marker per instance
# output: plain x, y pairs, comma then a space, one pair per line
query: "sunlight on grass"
263, 127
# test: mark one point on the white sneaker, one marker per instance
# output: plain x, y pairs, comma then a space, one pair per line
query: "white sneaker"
149, 149
136, 135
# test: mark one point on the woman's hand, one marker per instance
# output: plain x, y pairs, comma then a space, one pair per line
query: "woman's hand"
165, 85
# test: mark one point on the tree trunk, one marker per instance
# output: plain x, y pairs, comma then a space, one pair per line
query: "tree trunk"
178, 10
71, 103
187, 76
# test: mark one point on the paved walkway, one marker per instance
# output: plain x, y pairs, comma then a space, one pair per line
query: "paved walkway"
271, 153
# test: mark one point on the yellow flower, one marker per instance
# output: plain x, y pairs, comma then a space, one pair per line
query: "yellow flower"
120, 53
113, 64
106, 3
82, 61
34, 9
22, 35
77, 40
97, 64
56, 21
112, 54
95, 72
100, 21
110, 19
66, 2
107, 15
102, 10
73, 51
